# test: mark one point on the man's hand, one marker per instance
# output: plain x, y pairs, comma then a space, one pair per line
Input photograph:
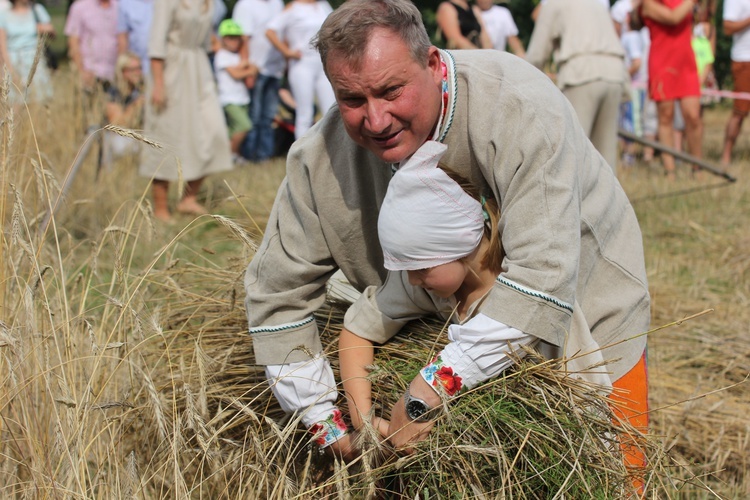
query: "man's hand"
402, 430
294, 55
382, 425
344, 448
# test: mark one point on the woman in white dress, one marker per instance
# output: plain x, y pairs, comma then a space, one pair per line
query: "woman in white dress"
183, 113
291, 33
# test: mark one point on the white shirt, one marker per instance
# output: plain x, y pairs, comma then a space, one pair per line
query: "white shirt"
632, 43
499, 24
737, 10
230, 91
620, 10
253, 16
299, 23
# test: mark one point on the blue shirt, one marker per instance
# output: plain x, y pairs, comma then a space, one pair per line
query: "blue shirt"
20, 29
134, 18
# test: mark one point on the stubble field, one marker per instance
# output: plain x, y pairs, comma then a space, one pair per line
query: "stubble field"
126, 371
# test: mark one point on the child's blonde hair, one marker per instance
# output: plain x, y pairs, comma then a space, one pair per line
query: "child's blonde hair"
120, 81
493, 258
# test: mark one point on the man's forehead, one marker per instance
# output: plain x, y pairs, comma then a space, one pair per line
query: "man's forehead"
380, 43
348, 78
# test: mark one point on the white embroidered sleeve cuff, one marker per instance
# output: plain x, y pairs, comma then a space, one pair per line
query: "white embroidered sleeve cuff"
478, 351
307, 387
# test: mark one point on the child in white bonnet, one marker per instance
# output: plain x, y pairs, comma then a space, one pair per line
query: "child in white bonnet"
441, 246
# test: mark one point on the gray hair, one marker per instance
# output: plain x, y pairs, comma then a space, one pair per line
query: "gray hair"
347, 30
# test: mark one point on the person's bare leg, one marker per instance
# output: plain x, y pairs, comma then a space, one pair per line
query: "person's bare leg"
236, 141
648, 151
665, 113
691, 111
189, 203
677, 138
734, 125
160, 192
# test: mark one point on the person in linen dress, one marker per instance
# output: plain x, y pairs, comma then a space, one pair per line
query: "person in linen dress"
183, 113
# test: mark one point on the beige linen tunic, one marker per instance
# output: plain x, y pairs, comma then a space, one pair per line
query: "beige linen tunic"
591, 67
192, 128
568, 231
584, 41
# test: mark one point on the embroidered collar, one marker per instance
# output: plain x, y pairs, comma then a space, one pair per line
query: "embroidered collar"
450, 90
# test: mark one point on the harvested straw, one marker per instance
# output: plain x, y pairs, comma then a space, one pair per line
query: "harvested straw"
533, 433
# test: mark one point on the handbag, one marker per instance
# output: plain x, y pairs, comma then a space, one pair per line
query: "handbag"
49, 57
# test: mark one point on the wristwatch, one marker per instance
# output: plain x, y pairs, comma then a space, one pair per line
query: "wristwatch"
416, 409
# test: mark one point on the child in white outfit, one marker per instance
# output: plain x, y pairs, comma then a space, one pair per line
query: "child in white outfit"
231, 75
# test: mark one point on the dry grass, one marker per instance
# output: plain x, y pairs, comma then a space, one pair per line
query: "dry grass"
697, 258
126, 370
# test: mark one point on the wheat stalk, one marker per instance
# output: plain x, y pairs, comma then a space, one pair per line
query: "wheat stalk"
132, 134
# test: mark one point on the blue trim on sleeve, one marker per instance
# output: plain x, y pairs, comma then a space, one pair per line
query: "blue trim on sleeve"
534, 293
281, 328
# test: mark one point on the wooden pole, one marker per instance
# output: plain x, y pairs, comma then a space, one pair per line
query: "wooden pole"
701, 163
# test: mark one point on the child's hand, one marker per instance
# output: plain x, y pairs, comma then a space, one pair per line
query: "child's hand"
402, 430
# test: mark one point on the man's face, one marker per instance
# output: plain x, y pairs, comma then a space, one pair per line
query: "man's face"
390, 104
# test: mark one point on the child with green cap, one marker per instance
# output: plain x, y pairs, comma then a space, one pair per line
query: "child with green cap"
231, 74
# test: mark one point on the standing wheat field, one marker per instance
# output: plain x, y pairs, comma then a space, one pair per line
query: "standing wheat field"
126, 370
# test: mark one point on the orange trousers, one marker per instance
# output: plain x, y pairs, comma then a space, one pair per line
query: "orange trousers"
630, 403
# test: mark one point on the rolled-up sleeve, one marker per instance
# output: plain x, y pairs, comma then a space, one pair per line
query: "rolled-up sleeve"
160, 24
479, 350
380, 312
285, 281
73, 25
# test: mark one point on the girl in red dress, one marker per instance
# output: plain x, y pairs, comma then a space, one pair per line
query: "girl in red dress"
672, 72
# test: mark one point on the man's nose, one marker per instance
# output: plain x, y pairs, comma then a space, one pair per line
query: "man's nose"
378, 118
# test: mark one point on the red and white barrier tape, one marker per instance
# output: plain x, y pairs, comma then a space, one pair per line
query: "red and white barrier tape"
726, 93
708, 92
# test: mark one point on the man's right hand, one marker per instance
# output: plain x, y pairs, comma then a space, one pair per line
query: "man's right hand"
344, 448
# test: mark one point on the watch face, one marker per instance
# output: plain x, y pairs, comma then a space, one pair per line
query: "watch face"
416, 409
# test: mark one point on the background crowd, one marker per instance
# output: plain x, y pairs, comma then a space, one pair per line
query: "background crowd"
210, 92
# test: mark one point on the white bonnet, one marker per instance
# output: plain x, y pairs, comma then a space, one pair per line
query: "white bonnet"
427, 219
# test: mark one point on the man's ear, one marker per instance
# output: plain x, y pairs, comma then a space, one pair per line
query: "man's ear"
434, 64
